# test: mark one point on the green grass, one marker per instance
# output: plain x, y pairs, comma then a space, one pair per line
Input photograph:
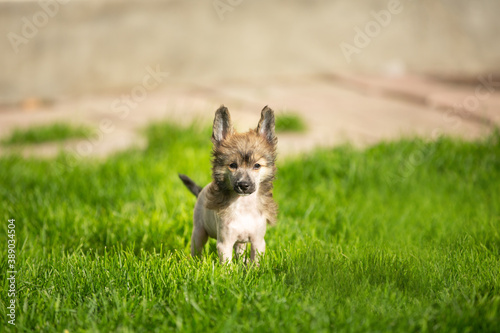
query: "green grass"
289, 122
46, 133
372, 240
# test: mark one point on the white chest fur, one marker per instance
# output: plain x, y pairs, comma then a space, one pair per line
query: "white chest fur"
243, 221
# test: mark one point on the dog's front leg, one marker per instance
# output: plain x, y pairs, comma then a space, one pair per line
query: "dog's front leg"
225, 250
257, 249
198, 240
239, 249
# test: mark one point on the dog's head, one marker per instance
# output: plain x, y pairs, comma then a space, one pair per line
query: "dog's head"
243, 162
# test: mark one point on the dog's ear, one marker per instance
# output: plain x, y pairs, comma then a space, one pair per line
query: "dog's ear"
222, 125
266, 125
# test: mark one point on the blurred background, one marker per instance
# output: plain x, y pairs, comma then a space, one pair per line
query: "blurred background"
355, 71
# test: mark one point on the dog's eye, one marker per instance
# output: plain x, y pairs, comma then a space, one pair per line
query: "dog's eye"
233, 166
256, 166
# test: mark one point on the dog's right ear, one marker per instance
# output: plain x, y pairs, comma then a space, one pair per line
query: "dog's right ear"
222, 125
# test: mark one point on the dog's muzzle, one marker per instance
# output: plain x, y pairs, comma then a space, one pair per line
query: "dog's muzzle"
244, 188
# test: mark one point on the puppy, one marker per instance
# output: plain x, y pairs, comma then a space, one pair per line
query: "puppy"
237, 205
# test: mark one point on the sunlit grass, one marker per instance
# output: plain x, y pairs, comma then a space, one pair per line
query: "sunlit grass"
289, 122
366, 241
46, 133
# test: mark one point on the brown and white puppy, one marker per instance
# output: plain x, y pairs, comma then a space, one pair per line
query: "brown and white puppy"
237, 205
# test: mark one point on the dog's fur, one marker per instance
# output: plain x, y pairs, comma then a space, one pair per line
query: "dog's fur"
238, 204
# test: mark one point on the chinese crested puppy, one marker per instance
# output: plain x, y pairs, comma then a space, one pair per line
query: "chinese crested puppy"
237, 205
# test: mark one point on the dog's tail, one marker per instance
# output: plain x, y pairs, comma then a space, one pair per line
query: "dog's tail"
195, 189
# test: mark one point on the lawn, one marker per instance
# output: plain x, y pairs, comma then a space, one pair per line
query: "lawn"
401, 236
46, 133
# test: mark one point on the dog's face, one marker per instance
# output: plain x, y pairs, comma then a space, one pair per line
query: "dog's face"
243, 161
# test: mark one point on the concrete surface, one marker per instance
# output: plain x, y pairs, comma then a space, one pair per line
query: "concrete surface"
56, 49
337, 108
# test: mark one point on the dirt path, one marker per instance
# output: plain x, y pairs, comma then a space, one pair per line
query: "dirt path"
337, 109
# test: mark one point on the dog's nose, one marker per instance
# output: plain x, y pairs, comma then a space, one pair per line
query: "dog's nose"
243, 186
